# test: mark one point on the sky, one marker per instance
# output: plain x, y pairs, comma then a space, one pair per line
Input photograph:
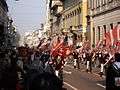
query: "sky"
27, 15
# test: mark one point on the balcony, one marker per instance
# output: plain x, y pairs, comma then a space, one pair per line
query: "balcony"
57, 8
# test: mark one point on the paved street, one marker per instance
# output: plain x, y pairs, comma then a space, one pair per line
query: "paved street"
75, 79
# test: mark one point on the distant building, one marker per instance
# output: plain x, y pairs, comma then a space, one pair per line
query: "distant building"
28, 39
33, 39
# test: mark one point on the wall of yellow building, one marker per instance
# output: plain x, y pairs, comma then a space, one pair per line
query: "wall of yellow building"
73, 20
84, 19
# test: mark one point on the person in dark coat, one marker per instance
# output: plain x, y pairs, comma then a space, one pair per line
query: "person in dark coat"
112, 79
46, 81
10, 77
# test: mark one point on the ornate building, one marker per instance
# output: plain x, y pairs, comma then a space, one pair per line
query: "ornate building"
102, 16
69, 16
84, 19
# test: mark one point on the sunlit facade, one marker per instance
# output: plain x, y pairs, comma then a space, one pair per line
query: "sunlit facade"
103, 15
69, 17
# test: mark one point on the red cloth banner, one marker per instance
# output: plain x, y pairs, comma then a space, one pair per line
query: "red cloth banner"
99, 43
113, 36
56, 46
108, 39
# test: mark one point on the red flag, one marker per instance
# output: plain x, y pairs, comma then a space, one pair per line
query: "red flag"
108, 39
58, 46
113, 36
116, 34
79, 50
44, 46
99, 43
53, 44
85, 43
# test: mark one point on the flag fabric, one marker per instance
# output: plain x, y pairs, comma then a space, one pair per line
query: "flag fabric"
60, 44
85, 44
56, 46
113, 36
53, 44
108, 39
117, 47
67, 50
116, 33
44, 46
79, 50
99, 43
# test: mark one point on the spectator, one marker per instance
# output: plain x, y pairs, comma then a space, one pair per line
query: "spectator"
46, 81
113, 74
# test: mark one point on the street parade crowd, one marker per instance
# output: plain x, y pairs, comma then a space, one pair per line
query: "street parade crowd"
24, 68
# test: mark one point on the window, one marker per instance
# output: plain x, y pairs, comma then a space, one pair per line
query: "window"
93, 35
111, 26
104, 26
98, 32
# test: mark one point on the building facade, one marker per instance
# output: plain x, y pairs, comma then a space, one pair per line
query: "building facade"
33, 39
69, 17
3, 20
102, 16
84, 19
47, 24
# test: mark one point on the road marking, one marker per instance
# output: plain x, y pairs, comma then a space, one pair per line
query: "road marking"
83, 70
67, 72
70, 86
99, 75
101, 85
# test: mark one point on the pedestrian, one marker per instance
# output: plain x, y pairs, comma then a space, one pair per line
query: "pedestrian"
89, 61
113, 74
104, 59
75, 60
59, 66
10, 77
84, 57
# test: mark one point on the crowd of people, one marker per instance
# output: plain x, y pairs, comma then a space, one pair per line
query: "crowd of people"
97, 58
34, 72
41, 71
